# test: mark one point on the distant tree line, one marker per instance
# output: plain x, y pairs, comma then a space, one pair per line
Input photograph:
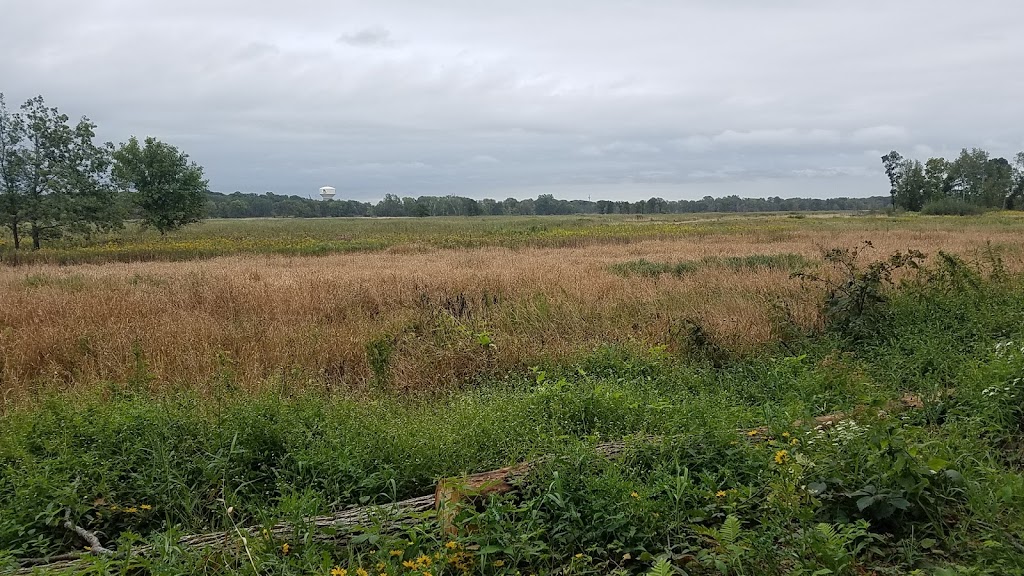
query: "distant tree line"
973, 178
57, 181
269, 205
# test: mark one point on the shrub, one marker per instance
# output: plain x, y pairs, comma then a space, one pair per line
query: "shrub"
951, 207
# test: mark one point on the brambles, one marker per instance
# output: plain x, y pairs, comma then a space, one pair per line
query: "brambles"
855, 302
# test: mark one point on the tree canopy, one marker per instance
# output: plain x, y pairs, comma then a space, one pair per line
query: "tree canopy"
973, 178
169, 190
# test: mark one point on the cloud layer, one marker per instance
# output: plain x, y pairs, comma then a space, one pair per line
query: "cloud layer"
576, 98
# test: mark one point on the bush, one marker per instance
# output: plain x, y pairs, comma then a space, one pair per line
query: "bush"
951, 207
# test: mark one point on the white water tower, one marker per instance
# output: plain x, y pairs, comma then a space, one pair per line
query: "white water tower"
327, 193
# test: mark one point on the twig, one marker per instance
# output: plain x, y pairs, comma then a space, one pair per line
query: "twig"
94, 543
50, 559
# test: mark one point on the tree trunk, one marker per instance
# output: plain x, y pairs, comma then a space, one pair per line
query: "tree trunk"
36, 233
17, 236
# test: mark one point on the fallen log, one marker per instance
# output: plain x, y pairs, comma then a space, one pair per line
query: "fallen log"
394, 516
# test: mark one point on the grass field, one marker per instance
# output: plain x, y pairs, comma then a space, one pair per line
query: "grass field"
150, 384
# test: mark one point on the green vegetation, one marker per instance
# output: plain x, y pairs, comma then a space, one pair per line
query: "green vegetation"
56, 182
936, 490
973, 178
950, 207
311, 237
642, 267
241, 205
168, 189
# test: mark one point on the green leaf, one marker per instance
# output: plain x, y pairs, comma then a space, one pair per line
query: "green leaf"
491, 549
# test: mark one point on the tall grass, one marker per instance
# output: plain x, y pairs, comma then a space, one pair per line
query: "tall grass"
750, 263
941, 485
449, 316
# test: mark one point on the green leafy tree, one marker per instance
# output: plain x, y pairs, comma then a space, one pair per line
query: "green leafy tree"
935, 171
54, 177
168, 188
911, 190
997, 184
893, 164
1015, 201
12, 174
967, 175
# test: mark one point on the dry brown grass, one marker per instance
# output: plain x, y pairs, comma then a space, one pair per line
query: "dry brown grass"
267, 320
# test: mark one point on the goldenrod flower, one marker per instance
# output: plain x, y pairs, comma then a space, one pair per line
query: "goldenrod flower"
339, 571
781, 457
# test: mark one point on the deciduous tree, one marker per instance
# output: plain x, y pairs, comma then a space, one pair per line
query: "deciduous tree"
168, 188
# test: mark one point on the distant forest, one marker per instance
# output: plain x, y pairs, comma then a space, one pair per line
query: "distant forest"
269, 205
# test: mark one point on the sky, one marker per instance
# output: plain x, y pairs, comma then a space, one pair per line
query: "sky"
619, 100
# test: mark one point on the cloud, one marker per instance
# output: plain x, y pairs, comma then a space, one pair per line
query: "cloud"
777, 137
267, 95
885, 134
368, 37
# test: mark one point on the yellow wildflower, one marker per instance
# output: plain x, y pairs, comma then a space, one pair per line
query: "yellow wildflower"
381, 566
499, 563
131, 510
781, 457
579, 555
785, 434
720, 494
794, 442
145, 507
361, 572
285, 548
423, 560
452, 545
425, 573
409, 564
752, 433
634, 495
114, 507
339, 571
397, 552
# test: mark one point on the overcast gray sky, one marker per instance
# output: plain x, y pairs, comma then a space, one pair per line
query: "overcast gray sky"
614, 99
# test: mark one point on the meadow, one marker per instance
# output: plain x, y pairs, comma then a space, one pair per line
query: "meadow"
243, 373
